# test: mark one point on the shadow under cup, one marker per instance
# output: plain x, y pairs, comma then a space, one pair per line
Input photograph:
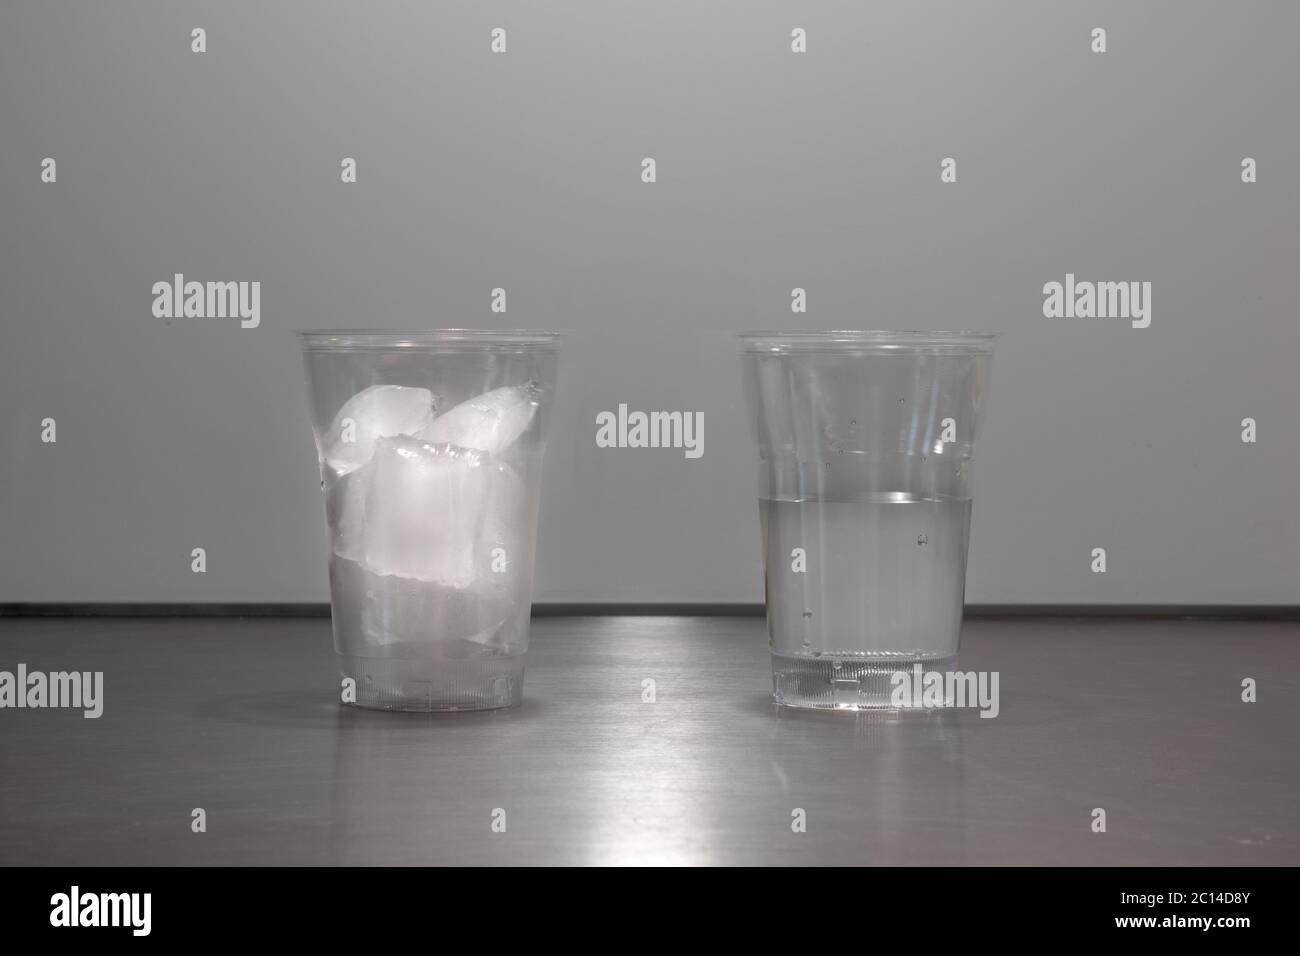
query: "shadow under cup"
430, 447
865, 441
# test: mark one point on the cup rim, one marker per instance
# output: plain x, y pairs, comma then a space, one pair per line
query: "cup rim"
868, 340
501, 340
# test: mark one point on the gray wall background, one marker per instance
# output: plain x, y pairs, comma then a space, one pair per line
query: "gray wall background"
775, 170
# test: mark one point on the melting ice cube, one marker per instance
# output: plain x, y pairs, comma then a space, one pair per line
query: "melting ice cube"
345, 511
434, 511
380, 411
489, 422
390, 614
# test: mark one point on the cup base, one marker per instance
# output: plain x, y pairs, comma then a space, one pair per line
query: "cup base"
434, 685
826, 683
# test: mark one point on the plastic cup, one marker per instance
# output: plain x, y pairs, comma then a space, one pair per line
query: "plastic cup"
430, 447
866, 441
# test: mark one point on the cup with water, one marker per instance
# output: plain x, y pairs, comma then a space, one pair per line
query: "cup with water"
866, 441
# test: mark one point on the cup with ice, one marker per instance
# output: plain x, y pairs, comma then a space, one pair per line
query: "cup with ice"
431, 506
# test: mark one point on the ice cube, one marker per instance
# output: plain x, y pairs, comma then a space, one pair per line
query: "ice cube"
432, 619
490, 422
503, 554
380, 411
434, 512
389, 615
345, 510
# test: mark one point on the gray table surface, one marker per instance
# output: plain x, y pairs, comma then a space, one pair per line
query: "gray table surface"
239, 717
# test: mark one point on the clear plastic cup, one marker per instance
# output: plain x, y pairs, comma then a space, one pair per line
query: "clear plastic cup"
866, 441
430, 447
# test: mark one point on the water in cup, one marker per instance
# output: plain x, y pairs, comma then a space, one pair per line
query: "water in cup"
883, 577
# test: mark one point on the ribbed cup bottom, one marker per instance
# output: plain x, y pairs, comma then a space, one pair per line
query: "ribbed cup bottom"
435, 685
826, 683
